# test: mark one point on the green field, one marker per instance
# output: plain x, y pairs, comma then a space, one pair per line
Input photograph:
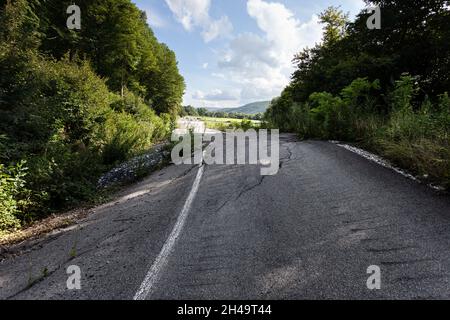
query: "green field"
228, 123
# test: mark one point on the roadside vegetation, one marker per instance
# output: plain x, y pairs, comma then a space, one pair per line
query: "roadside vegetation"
223, 124
73, 104
202, 112
386, 90
223, 121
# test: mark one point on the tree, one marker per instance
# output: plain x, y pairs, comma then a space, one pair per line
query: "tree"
74, 103
19, 24
190, 111
116, 38
335, 23
202, 112
165, 85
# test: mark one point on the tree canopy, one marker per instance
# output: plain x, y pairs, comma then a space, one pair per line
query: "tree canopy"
414, 38
74, 103
118, 42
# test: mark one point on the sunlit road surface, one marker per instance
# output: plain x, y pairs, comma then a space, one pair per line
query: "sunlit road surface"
309, 232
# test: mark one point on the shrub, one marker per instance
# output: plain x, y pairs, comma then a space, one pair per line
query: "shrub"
12, 184
418, 139
62, 119
402, 95
244, 125
132, 128
414, 135
326, 112
125, 136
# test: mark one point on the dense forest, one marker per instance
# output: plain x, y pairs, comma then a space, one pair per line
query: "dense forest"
385, 89
75, 102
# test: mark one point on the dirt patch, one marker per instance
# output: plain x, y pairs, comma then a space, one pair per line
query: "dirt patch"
42, 227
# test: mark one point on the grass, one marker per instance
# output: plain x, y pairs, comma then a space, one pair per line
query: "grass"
427, 159
223, 124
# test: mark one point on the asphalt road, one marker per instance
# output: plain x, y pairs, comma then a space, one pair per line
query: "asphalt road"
309, 232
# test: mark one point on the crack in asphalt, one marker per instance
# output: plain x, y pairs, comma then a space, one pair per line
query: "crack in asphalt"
261, 180
241, 193
374, 250
250, 188
408, 262
283, 161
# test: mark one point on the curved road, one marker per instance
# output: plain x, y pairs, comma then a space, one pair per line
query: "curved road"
309, 232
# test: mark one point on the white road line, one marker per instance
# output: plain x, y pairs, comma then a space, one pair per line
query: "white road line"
382, 162
153, 274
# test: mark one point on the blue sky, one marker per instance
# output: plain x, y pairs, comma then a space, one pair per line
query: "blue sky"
233, 52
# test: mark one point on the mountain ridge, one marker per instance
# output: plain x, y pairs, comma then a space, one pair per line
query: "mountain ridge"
250, 108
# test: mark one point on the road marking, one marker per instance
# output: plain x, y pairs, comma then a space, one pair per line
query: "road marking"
382, 162
153, 274
374, 158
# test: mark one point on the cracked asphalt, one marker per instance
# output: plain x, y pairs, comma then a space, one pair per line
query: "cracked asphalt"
309, 232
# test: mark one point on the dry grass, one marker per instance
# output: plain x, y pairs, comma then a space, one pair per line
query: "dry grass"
426, 158
45, 226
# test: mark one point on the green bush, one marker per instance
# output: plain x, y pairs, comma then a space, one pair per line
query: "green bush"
418, 139
132, 128
61, 118
326, 113
58, 113
352, 115
125, 136
412, 134
12, 184
244, 125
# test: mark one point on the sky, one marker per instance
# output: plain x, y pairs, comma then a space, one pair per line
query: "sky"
233, 52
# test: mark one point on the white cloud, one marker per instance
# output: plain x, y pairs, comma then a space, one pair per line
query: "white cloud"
205, 65
283, 31
190, 13
253, 65
217, 28
216, 95
218, 75
262, 65
195, 13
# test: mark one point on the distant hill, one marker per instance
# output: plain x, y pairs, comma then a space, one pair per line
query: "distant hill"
251, 108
